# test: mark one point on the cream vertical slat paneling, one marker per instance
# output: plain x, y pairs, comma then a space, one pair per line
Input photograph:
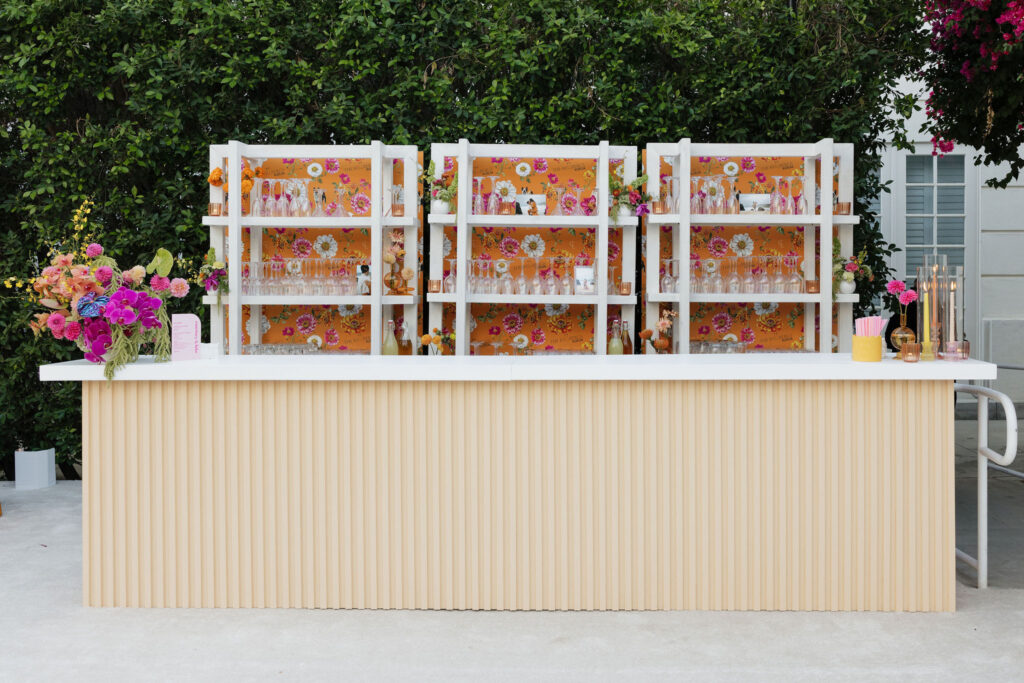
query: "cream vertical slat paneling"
522, 495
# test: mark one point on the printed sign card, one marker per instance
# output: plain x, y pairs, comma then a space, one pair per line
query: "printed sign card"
184, 337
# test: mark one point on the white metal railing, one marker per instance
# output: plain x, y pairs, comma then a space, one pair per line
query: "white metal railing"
985, 456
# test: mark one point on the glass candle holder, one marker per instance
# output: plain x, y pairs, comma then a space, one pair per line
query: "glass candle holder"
812, 287
625, 288
434, 286
953, 314
214, 209
911, 352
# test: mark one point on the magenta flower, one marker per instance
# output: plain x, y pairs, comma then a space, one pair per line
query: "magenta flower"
537, 336
908, 297
552, 178
332, 165
331, 337
360, 203
761, 177
722, 322
72, 330
158, 283
305, 323
56, 323
851, 267
104, 274
642, 210
288, 332
509, 247
93, 250
494, 330
302, 247
449, 163
718, 246
512, 323
703, 330
704, 160
747, 335
748, 164
344, 178
540, 165
895, 287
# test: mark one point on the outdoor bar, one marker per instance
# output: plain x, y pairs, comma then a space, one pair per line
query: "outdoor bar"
456, 409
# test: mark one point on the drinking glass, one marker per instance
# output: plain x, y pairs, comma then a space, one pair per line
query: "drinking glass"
733, 284
696, 205
536, 286
522, 286
761, 279
695, 271
550, 283
779, 278
479, 206
505, 283
566, 283
732, 199
475, 348
777, 203
493, 204
578, 211
497, 346
714, 195
557, 211
281, 199
797, 199
668, 283
449, 281
794, 282
713, 274
613, 288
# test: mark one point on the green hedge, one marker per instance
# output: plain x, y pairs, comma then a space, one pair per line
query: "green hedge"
118, 101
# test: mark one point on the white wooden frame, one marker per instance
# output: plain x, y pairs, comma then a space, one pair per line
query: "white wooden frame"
381, 157
680, 219
464, 152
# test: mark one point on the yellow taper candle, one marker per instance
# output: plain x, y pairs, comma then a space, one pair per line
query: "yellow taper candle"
927, 321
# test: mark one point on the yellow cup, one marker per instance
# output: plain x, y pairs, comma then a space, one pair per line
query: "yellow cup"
867, 349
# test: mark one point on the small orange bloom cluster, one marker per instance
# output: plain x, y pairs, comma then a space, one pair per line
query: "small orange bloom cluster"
216, 177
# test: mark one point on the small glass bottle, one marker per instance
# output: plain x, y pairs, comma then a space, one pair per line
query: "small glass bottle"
615, 343
390, 345
627, 339
404, 341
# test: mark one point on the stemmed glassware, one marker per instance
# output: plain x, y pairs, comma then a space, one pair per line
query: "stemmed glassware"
557, 210
733, 285
669, 282
696, 202
449, 281
797, 200
761, 281
779, 278
777, 202
713, 276
536, 285
550, 282
794, 283
567, 279
493, 203
522, 286
613, 288
505, 282
479, 206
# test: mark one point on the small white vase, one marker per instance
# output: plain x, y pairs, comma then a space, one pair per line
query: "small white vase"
440, 206
621, 213
847, 287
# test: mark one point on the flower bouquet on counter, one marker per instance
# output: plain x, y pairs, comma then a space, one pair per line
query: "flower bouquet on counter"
213, 275
663, 342
628, 199
438, 341
109, 313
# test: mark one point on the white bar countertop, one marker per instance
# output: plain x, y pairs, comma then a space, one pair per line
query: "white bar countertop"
730, 367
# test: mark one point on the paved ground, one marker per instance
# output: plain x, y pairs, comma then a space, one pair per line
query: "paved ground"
45, 634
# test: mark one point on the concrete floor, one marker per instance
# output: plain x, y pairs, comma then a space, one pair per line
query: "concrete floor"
45, 633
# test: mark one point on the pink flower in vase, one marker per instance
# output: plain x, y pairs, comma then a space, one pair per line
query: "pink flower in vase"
895, 287
908, 297
851, 267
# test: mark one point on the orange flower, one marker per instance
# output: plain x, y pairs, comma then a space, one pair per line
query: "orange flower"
661, 343
247, 174
437, 340
646, 334
246, 185
216, 177
259, 172
425, 340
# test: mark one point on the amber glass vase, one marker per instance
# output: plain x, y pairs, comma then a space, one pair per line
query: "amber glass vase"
902, 335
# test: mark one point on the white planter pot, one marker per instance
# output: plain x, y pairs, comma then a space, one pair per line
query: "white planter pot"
34, 469
847, 287
621, 212
439, 206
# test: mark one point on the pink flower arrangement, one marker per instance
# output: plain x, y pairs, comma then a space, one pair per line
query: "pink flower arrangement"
908, 297
895, 287
159, 283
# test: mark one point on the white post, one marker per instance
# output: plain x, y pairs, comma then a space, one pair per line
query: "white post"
234, 174
217, 244
825, 312
982, 492
376, 246
810, 255
464, 242
845, 317
627, 312
601, 255
681, 249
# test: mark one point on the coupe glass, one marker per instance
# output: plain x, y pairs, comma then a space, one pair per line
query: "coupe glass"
475, 348
566, 283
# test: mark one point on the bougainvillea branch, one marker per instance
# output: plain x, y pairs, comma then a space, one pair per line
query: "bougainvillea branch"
976, 79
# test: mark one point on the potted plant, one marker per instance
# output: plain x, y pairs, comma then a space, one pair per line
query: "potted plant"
847, 272
628, 199
443, 190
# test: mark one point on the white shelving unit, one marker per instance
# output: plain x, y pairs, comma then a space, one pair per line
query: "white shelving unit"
680, 219
464, 152
226, 234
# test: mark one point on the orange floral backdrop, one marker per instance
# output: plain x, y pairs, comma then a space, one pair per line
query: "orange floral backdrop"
763, 325
345, 181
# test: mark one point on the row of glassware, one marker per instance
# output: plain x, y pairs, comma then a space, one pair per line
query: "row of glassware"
307, 276
736, 275
291, 197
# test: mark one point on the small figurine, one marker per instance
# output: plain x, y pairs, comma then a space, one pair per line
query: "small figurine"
533, 207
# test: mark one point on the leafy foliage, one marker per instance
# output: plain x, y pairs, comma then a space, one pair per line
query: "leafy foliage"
118, 101
976, 76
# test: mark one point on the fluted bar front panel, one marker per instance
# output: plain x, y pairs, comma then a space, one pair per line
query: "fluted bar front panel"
524, 495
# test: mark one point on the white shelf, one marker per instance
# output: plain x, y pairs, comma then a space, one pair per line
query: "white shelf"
441, 298
748, 219
525, 221
312, 299
309, 221
847, 298
776, 297
620, 300
540, 299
